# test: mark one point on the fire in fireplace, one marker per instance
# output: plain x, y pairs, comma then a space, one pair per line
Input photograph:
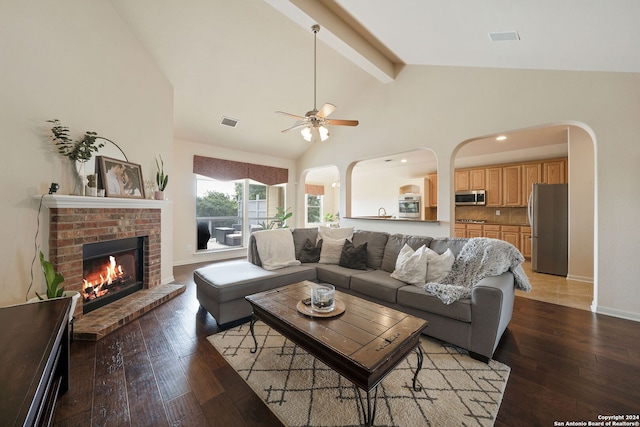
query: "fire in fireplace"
111, 270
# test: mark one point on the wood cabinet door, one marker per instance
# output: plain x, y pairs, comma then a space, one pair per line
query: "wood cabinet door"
433, 189
493, 183
525, 241
531, 174
555, 172
491, 231
512, 237
477, 179
512, 185
461, 180
474, 230
460, 230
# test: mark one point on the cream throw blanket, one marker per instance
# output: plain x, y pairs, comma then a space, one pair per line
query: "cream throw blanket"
479, 258
276, 248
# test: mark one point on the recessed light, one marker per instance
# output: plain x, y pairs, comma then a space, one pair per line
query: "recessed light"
501, 138
403, 161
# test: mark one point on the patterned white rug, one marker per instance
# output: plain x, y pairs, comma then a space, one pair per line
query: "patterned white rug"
456, 389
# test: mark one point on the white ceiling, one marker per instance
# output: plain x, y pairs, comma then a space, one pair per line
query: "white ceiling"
246, 59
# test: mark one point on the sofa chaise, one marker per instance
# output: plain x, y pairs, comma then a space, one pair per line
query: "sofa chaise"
474, 322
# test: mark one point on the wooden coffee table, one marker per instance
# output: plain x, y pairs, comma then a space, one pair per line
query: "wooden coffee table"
363, 344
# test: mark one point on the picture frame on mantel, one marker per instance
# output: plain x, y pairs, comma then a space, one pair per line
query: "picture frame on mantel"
119, 178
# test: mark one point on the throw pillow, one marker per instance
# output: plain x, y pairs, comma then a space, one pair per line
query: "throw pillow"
331, 250
354, 256
411, 266
438, 266
310, 252
335, 233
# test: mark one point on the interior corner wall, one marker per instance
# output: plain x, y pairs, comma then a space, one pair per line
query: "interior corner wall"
75, 61
582, 205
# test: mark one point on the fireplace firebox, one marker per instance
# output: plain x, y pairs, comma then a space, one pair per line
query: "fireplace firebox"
111, 270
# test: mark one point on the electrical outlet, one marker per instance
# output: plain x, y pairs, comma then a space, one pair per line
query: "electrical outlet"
189, 248
498, 212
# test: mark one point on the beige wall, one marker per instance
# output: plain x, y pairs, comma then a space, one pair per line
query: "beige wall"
75, 61
581, 205
440, 107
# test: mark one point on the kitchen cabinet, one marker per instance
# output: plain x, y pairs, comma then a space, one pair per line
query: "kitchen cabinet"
460, 230
433, 189
461, 180
511, 234
474, 230
555, 172
531, 174
493, 180
469, 179
491, 231
525, 241
512, 185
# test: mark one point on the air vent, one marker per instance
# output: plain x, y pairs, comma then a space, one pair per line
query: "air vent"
504, 36
226, 121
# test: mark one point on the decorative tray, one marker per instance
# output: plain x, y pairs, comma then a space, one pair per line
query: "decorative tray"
308, 311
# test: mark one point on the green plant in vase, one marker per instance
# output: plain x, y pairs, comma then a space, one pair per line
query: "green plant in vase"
162, 179
77, 151
52, 278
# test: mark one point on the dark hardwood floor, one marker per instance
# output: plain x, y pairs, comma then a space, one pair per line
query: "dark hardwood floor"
566, 365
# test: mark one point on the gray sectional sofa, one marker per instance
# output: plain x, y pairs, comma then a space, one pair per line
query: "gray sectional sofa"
475, 323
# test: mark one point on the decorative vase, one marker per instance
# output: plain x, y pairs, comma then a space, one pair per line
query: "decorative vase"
158, 195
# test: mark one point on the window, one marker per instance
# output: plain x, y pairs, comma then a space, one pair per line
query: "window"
313, 208
221, 216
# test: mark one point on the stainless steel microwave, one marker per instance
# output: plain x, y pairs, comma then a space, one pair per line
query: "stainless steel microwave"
409, 206
474, 197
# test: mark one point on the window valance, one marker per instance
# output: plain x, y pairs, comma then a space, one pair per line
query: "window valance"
228, 170
314, 190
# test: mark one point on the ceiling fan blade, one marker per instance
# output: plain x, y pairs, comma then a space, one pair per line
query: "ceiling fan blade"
291, 115
340, 122
297, 126
325, 110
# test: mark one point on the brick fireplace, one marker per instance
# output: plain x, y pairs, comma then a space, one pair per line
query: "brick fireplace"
105, 220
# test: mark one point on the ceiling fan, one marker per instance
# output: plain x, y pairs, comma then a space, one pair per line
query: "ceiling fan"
313, 124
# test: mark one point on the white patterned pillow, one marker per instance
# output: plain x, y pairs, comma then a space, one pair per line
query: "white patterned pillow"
438, 266
411, 266
331, 250
335, 233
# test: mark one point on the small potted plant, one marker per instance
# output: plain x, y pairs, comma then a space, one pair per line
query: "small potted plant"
161, 180
53, 280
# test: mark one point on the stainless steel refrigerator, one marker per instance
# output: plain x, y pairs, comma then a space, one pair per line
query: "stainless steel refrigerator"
549, 219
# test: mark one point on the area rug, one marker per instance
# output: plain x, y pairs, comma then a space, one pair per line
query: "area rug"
301, 391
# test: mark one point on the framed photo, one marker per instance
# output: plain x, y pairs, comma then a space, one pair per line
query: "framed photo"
120, 178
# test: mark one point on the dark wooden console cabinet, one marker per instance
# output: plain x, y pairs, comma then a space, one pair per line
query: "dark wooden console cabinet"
34, 361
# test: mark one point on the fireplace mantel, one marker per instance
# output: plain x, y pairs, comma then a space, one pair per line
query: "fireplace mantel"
62, 201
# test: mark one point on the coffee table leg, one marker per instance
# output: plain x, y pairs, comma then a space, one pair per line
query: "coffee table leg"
369, 414
254, 319
420, 355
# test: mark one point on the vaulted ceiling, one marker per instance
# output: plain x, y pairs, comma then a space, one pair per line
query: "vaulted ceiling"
246, 59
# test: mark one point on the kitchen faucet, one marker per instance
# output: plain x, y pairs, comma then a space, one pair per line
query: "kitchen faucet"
384, 212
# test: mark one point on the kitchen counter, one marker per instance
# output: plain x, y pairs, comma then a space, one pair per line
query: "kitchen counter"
389, 218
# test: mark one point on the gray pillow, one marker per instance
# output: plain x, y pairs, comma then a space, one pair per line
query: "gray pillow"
354, 256
300, 236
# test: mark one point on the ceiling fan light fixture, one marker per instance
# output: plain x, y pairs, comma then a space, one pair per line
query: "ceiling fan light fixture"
306, 134
314, 121
324, 133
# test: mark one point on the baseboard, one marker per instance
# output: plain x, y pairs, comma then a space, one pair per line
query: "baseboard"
628, 315
580, 278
